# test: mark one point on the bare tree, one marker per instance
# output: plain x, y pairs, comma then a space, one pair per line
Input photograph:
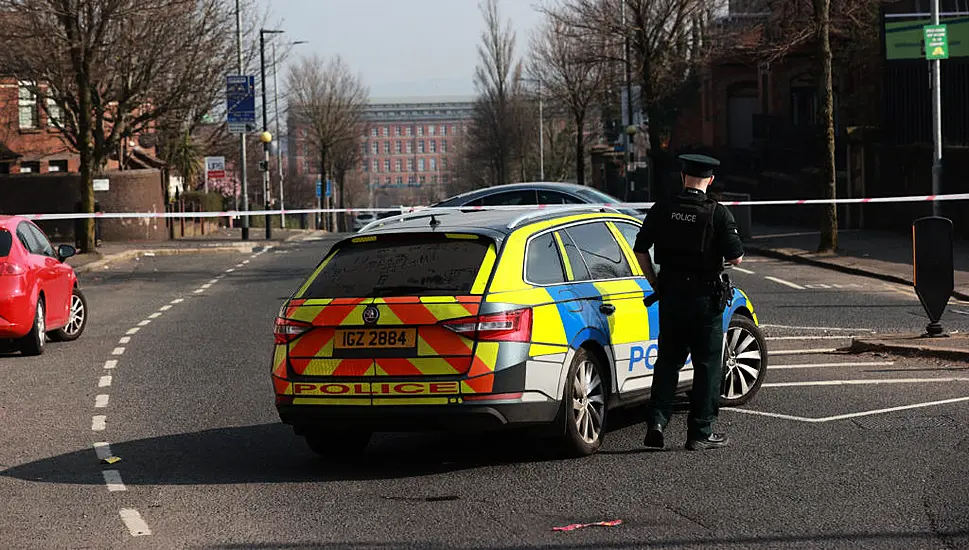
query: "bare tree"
108, 69
491, 128
328, 101
569, 77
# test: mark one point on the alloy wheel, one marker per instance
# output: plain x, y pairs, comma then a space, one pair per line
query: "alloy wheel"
588, 402
743, 362
77, 316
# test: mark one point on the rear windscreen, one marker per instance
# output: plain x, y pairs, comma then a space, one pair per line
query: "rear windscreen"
401, 268
5, 242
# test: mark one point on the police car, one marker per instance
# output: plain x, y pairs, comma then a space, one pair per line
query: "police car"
482, 320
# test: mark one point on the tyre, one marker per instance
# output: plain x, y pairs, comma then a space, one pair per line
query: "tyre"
584, 405
744, 362
77, 321
33, 343
338, 445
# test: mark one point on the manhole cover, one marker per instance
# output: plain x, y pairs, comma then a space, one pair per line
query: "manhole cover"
881, 422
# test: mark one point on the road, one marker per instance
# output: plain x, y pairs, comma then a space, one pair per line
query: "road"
852, 451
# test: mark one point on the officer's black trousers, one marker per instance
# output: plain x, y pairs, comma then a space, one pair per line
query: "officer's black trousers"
690, 323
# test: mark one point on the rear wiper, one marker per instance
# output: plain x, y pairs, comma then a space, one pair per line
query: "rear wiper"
397, 290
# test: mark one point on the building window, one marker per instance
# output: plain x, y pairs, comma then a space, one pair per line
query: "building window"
443, 130
397, 131
400, 180
443, 164
375, 148
54, 113
420, 165
420, 146
410, 147
306, 167
373, 132
30, 167
387, 180
420, 130
387, 165
57, 166
454, 129
408, 131
386, 147
27, 101
433, 145
386, 131
430, 130
411, 180
444, 146
434, 179
397, 165
410, 165
376, 165
433, 165
363, 148
423, 180
397, 148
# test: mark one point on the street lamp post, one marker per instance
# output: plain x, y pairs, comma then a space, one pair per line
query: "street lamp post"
266, 137
279, 148
242, 137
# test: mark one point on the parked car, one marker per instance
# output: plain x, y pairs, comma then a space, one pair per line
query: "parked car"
521, 194
483, 320
361, 219
39, 294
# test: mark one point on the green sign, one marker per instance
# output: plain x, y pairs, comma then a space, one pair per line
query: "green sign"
936, 43
905, 39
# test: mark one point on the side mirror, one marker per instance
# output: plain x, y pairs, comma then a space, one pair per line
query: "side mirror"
65, 251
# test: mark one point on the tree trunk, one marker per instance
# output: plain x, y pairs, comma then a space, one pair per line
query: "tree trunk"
322, 198
829, 217
343, 215
86, 238
579, 151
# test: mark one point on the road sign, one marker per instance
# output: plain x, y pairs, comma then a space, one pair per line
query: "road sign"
933, 275
101, 184
329, 189
214, 168
936, 42
319, 189
240, 93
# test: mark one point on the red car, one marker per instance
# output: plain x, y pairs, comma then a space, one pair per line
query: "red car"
39, 297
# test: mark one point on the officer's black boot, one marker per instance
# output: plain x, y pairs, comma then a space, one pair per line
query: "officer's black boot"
654, 437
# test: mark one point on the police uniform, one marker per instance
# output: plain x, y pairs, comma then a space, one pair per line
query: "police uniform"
691, 235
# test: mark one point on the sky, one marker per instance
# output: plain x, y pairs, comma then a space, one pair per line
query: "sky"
402, 47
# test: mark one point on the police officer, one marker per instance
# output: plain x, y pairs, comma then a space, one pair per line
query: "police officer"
691, 235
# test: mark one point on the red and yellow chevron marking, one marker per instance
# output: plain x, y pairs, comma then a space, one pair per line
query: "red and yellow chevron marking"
279, 361
282, 387
481, 376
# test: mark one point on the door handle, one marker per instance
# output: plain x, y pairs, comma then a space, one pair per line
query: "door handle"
608, 309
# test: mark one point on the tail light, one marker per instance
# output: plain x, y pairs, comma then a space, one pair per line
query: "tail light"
11, 269
287, 330
507, 326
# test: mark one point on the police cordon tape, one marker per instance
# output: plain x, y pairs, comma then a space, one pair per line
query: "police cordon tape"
412, 209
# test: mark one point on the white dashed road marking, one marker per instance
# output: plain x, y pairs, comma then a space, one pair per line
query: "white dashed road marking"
849, 415
206, 285
230, 270
785, 283
105, 381
742, 270
155, 315
144, 323
102, 449
101, 401
112, 478
132, 331
117, 351
132, 520
769, 338
97, 423
801, 351
865, 382
177, 301
110, 363
124, 340
831, 365
165, 307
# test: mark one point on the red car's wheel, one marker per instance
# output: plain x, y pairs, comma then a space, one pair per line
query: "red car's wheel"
77, 320
33, 343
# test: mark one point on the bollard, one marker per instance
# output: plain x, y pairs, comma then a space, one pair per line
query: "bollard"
933, 273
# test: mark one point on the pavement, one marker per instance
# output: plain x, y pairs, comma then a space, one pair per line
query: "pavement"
840, 449
881, 255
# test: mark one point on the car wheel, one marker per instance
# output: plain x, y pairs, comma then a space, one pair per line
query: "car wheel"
744, 362
77, 321
338, 445
33, 343
584, 403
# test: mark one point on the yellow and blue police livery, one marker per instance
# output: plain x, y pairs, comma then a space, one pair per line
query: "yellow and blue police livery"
482, 320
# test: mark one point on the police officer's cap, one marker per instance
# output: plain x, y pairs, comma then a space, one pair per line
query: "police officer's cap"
699, 166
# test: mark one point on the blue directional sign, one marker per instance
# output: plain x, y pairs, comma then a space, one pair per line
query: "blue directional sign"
329, 189
240, 93
319, 189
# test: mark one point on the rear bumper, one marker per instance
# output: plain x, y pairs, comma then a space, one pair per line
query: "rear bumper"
16, 316
408, 418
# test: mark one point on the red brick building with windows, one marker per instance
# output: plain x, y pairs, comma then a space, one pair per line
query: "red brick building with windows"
407, 148
30, 143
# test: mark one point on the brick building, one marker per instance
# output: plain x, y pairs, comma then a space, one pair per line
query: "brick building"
406, 146
31, 144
